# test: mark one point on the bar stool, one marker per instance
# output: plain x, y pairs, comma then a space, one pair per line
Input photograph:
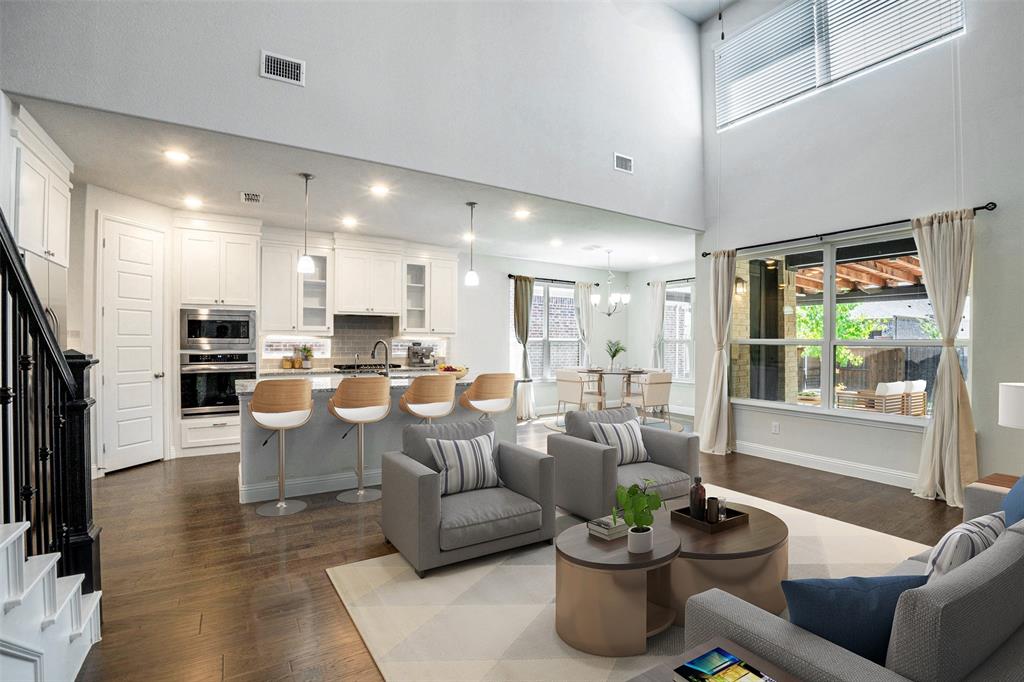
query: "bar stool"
429, 397
281, 405
361, 401
489, 393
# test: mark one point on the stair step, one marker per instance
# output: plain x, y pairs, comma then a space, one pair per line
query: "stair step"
9, 532
36, 567
66, 588
90, 602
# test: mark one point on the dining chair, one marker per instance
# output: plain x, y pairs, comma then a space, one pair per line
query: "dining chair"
575, 388
655, 391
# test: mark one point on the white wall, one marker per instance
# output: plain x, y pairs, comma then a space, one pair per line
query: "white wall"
529, 96
878, 147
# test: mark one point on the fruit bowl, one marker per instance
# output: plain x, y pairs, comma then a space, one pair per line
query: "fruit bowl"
458, 370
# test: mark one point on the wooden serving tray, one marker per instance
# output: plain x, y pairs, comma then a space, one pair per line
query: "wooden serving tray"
733, 518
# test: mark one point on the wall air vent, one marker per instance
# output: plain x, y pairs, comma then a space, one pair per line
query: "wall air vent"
623, 163
281, 68
251, 197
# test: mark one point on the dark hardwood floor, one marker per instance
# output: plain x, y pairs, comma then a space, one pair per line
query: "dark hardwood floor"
197, 587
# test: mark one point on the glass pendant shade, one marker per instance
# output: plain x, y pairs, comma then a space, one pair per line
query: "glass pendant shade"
305, 265
595, 299
472, 279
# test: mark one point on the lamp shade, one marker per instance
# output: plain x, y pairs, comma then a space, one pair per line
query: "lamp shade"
305, 265
472, 279
1011, 405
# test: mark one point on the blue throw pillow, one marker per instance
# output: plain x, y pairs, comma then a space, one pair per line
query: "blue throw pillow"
854, 613
1013, 503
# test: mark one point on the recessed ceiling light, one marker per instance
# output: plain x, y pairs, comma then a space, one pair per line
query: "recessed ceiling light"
379, 190
193, 202
521, 214
176, 156
467, 236
556, 242
349, 221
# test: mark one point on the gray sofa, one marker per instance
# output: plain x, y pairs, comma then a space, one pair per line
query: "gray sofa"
965, 625
586, 471
430, 530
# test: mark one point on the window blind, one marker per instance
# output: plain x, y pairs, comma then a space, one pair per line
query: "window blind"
808, 44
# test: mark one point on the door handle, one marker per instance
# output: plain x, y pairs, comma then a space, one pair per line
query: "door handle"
158, 375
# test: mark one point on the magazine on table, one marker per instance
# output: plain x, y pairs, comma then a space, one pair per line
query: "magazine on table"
718, 665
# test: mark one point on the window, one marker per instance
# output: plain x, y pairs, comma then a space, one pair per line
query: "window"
678, 331
554, 338
808, 44
847, 327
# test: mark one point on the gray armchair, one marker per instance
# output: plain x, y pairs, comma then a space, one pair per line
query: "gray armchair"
586, 471
431, 531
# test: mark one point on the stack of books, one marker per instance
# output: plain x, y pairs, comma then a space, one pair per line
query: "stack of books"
606, 529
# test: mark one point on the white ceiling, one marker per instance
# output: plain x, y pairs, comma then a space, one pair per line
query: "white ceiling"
698, 10
124, 154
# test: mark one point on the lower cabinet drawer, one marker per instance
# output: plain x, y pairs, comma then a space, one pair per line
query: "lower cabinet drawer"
199, 432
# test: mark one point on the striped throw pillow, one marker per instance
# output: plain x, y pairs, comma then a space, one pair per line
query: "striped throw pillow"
625, 438
465, 464
964, 542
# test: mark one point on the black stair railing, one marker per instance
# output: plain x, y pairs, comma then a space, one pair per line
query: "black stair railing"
44, 427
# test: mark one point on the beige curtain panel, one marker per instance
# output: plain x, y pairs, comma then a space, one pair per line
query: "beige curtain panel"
949, 457
714, 421
521, 304
657, 303
584, 317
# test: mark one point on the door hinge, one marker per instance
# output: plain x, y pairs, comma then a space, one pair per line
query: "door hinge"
104, 242
104, 448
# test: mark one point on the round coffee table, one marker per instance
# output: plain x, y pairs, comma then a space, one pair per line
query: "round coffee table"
608, 601
749, 561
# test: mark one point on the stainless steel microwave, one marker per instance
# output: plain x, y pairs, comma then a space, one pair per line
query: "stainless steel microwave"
218, 329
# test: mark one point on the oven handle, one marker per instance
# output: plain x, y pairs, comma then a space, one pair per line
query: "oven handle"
209, 369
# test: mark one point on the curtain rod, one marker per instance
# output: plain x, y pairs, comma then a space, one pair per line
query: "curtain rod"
553, 281
990, 206
681, 280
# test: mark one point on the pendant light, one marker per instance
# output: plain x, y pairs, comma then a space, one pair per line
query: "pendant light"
305, 265
472, 278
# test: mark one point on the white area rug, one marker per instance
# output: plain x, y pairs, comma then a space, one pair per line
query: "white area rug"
494, 618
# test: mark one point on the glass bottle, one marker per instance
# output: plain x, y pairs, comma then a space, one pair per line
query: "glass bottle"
698, 499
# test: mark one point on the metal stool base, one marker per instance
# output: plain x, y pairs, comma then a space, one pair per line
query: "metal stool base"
281, 508
359, 496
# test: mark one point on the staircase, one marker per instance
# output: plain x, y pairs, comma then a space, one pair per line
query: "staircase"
47, 625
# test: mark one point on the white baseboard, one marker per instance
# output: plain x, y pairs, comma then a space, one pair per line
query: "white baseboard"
296, 487
870, 472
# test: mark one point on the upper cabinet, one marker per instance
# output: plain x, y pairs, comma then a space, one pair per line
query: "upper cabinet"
367, 282
219, 268
291, 301
42, 187
430, 296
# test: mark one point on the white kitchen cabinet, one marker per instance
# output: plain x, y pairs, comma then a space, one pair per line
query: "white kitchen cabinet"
443, 296
430, 296
367, 283
43, 218
198, 432
219, 268
279, 284
58, 221
294, 302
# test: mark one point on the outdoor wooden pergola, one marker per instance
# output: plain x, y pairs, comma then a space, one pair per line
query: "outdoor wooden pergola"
886, 273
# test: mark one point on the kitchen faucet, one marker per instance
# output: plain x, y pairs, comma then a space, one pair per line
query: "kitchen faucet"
387, 355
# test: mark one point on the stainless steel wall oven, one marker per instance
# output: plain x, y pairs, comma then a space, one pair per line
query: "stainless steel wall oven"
208, 381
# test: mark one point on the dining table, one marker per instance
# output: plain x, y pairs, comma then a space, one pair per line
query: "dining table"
626, 374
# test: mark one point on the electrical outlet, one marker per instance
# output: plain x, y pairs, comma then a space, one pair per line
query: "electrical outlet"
776, 428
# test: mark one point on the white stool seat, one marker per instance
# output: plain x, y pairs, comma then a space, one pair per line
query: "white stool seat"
281, 420
431, 410
492, 405
362, 415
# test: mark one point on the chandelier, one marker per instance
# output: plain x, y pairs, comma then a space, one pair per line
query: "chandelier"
617, 302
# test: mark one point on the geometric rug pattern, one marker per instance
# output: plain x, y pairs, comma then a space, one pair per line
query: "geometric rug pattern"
493, 618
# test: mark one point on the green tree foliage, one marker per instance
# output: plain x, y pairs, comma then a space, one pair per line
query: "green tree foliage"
810, 324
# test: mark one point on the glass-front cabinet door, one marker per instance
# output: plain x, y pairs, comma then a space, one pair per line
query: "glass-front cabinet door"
315, 307
415, 294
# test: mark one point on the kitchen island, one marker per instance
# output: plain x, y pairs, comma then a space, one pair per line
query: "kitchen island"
318, 458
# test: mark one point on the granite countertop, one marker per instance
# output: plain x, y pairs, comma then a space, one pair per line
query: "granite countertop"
280, 371
328, 383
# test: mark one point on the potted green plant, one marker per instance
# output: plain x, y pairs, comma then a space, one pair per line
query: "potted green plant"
614, 350
307, 356
636, 507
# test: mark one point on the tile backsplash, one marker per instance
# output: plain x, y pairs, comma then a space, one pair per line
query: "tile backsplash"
357, 333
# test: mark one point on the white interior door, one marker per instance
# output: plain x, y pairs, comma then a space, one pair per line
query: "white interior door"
132, 358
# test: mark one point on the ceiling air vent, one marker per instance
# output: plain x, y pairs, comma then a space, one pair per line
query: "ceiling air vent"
251, 197
281, 68
624, 163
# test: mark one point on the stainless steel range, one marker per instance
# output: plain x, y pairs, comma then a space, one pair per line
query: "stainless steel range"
208, 381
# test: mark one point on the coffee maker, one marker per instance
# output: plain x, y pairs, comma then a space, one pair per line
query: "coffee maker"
420, 355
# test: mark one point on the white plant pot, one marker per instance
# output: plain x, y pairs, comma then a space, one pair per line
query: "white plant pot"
307, 364
640, 540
